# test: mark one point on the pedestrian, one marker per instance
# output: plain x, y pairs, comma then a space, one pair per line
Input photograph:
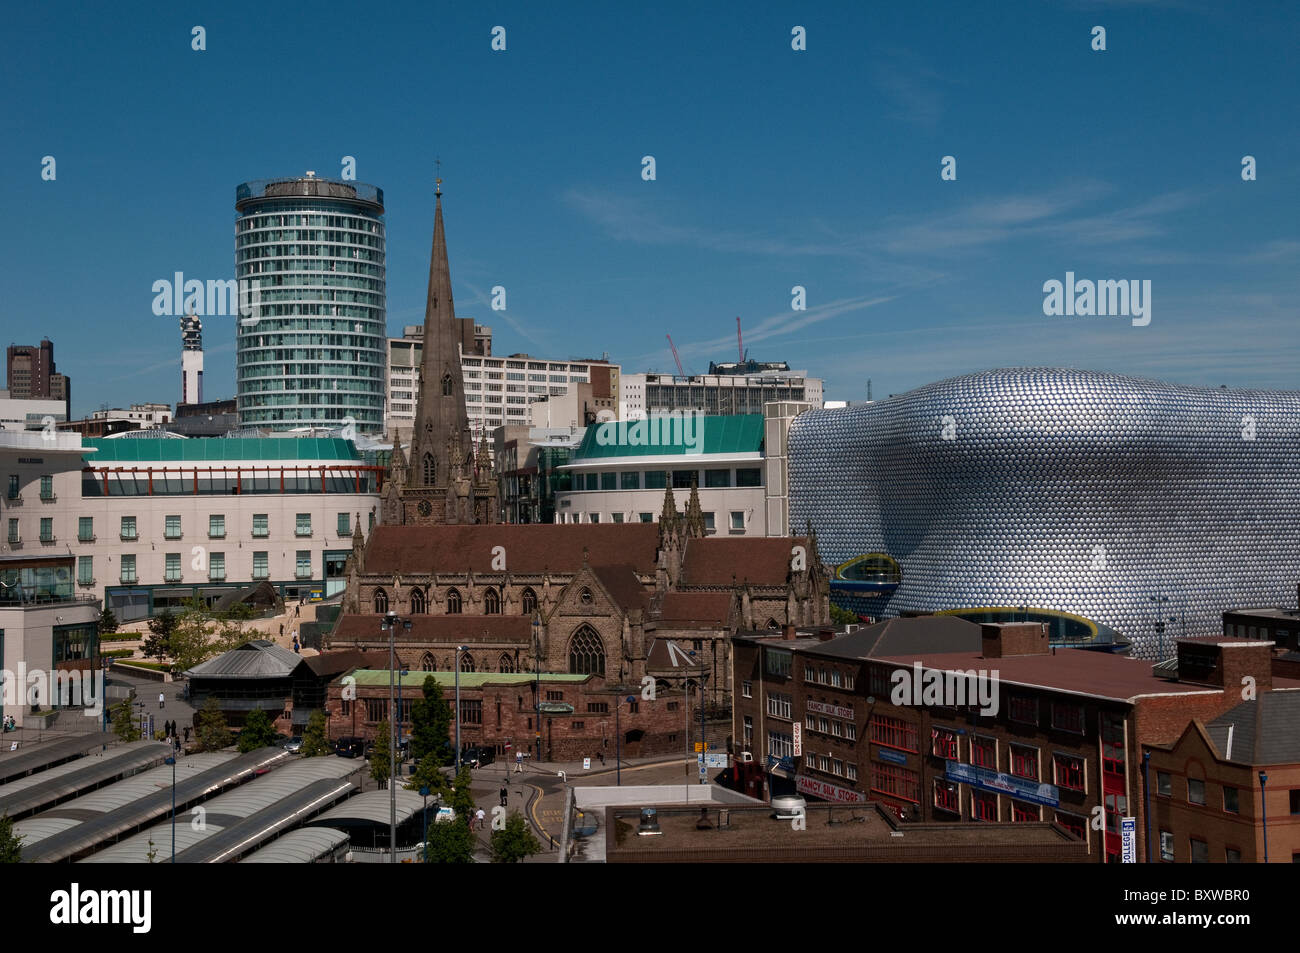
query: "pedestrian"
187, 734
478, 817
504, 794
601, 756
161, 698
295, 644
281, 630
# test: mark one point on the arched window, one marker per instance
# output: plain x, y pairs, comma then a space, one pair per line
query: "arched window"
491, 602
585, 596
381, 601
467, 663
430, 470
529, 601
418, 605
772, 624
446, 385
453, 602
506, 663
427, 664
586, 652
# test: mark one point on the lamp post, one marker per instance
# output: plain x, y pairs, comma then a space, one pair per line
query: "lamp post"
537, 676
400, 712
1263, 809
1160, 624
389, 624
618, 738
704, 778
1146, 798
459, 649
424, 793
172, 762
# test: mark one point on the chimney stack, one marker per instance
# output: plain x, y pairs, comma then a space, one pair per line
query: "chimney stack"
788, 633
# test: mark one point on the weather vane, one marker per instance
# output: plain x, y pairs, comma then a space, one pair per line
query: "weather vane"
437, 162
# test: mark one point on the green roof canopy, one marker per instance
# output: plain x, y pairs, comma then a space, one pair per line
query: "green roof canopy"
665, 435
413, 679
217, 450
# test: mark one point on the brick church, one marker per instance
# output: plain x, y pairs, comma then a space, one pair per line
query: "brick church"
600, 599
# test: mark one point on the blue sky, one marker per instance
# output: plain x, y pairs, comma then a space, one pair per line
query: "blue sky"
775, 168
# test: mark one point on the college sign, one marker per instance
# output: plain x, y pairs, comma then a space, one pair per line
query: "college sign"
827, 791
986, 780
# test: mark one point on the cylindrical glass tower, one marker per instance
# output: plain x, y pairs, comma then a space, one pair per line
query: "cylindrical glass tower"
311, 339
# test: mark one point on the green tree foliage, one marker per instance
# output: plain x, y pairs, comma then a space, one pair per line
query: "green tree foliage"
107, 621
514, 842
449, 843
842, 616
11, 844
462, 799
210, 728
158, 643
199, 635
258, 732
314, 741
123, 718
379, 757
431, 725
428, 774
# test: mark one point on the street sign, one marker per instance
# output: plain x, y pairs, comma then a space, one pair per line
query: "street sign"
1128, 840
797, 732
586, 764
701, 746
716, 759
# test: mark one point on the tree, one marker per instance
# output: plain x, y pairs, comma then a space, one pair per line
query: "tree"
843, 616
379, 757
449, 843
515, 842
428, 774
158, 644
198, 635
210, 728
107, 621
123, 715
462, 799
431, 725
314, 741
258, 732
11, 844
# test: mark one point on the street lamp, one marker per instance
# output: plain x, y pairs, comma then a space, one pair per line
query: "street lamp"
424, 793
172, 762
537, 677
459, 649
389, 624
1263, 809
400, 712
618, 738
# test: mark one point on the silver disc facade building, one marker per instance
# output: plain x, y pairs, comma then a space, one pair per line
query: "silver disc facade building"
1113, 507
313, 353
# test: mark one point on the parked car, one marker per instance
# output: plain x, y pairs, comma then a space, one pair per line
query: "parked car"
477, 757
350, 746
292, 745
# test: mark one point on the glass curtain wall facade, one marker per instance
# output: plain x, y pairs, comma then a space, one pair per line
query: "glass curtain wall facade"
310, 258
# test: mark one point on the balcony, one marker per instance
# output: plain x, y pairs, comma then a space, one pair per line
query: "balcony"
301, 533
129, 537
219, 534
260, 533
217, 575
260, 574
86, 539
127, 578
170, 535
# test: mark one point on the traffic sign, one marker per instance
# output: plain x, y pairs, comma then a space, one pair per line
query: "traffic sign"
701, 746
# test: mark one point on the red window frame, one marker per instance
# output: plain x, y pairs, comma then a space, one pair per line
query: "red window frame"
1023, 813
943, 743
983, 806
984, 752
1069, 771
893, 733
895, 781
1024, 762
947, 796
1076, 825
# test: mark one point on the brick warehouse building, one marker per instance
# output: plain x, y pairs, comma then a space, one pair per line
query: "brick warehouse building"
1207, 793
499, 709
816, 713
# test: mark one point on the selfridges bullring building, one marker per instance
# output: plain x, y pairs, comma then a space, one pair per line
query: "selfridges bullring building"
1117, 509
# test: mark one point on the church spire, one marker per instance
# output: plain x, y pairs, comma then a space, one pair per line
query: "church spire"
440, 445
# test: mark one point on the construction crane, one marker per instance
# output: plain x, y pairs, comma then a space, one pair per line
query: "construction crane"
680, 372
740, 343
